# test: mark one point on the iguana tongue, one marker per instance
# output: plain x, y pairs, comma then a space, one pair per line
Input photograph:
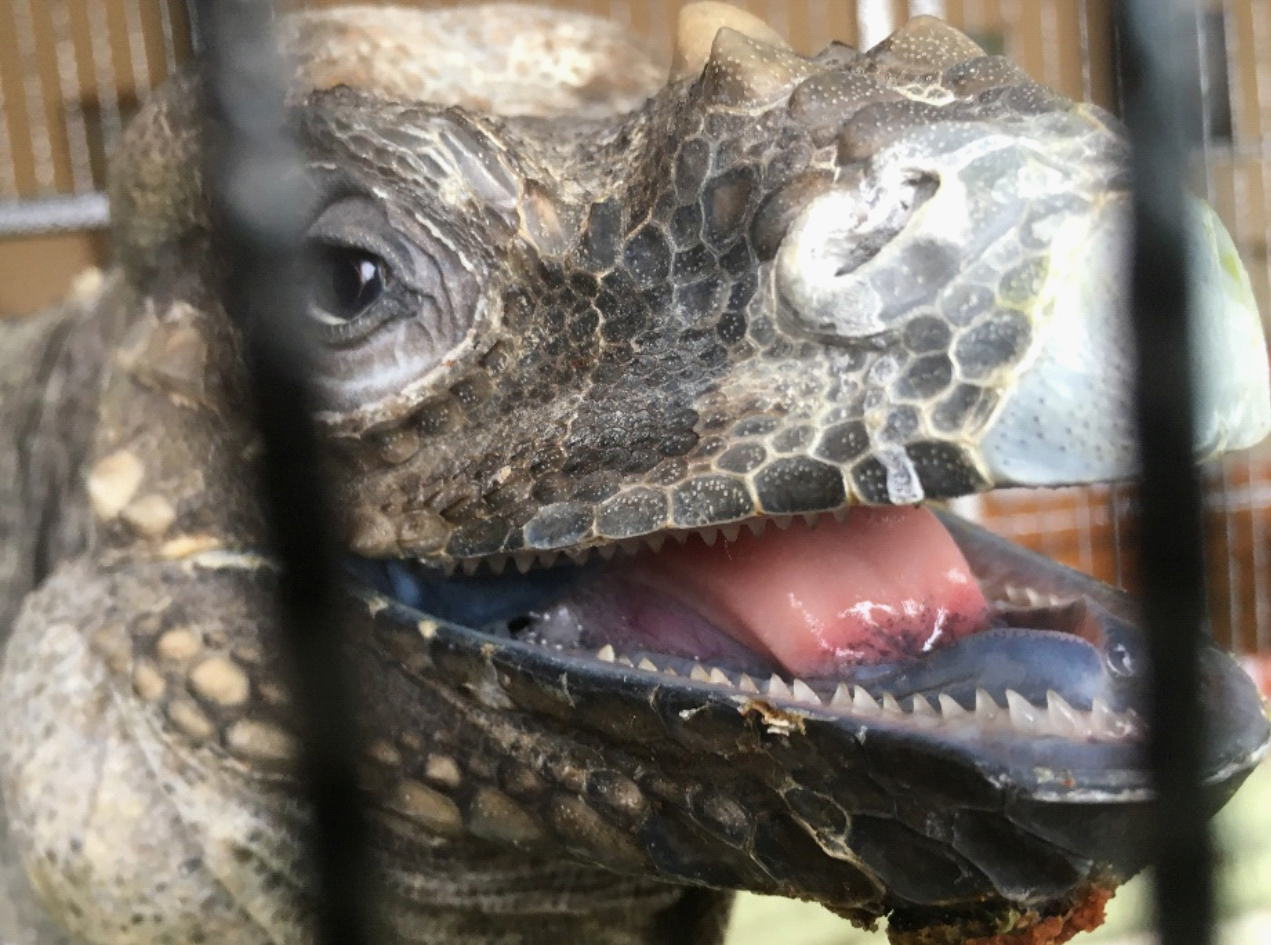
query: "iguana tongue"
886, 584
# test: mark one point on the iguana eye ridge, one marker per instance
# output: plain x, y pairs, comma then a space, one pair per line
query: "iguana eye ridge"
345, 282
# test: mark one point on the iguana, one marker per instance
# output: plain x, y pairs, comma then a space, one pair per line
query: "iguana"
632, 390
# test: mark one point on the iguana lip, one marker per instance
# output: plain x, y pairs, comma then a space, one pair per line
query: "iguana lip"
1056, 654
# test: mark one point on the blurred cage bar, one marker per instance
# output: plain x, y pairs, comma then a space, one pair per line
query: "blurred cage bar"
73, 71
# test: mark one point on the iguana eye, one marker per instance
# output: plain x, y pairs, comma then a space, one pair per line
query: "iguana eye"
387, 294
344, 283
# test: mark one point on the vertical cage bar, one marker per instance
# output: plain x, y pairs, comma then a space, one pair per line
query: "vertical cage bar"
259, 200
874, 21
937, 8
1171, 561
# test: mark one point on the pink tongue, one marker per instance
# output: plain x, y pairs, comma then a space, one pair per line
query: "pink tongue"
887, 584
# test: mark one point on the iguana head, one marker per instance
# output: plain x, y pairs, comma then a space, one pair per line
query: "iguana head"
828, 287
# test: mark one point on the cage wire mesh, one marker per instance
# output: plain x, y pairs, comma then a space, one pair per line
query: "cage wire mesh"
73, 71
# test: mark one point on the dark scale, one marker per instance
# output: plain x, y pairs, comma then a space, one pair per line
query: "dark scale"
925, 377
997, 342
647, 256
726, 201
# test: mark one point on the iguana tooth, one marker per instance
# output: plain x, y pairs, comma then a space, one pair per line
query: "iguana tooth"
757, 526
1015, 594
606, 653
718, 677
1025, 717
625, 661
777, 688
890, 705
1105, 723
497, 565
921, 708
647, 665
863, 703
804, 693
782, 521
986, 710
746, 684
524, 561
698, 672
708, 536
950, 708
471, 567
842, 698
654, 542
730, 532
1065, 721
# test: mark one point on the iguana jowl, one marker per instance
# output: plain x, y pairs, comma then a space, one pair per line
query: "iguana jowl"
557, 321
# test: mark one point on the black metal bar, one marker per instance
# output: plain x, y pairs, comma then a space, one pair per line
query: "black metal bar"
259, 200
1157, 77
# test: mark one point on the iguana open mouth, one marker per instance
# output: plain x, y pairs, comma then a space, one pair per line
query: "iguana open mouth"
901, 615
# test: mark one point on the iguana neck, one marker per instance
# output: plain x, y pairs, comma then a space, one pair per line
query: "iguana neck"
51, 368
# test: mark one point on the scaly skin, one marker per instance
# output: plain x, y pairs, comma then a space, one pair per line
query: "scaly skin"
780, 286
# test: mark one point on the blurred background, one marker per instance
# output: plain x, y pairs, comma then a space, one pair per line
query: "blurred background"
73, 71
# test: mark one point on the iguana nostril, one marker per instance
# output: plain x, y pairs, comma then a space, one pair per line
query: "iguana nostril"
780, 208
840, 232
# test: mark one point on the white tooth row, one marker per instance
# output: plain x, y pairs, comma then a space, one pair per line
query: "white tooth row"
1058, 718
1022, 596
526, 560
